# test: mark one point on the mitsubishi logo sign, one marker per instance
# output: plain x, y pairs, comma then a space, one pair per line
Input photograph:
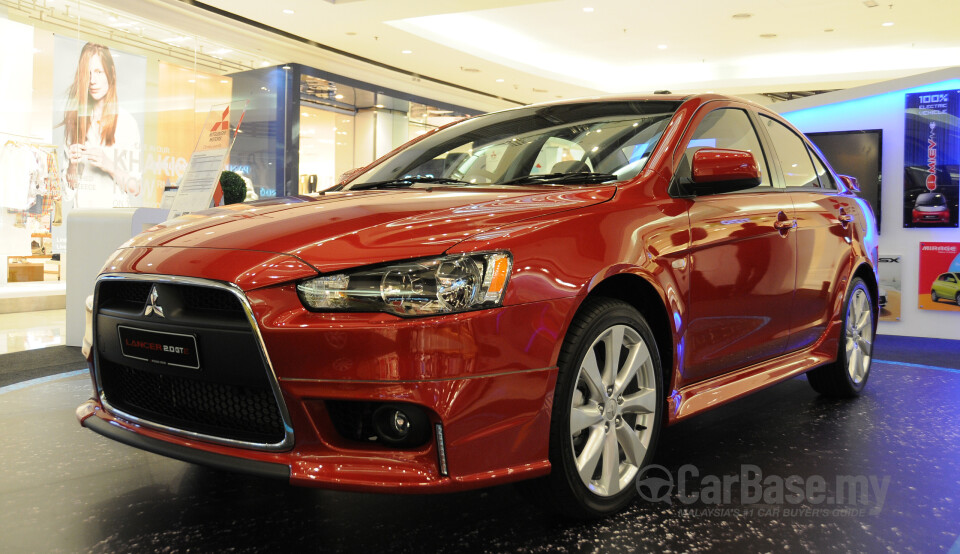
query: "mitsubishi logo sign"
153, 306
224, 123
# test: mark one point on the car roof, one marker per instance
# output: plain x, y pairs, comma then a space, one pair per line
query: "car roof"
704, 97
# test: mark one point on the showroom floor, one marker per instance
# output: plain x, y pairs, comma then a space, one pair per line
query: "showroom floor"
21, 331
65, 488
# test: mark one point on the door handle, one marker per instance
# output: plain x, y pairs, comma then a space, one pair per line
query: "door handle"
844, 218
783, 224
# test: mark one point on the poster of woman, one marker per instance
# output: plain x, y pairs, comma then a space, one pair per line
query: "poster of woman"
100, 126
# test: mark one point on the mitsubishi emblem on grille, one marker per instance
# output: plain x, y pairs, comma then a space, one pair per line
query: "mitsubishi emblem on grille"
153, 306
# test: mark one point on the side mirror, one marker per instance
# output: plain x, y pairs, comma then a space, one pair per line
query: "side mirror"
850, 182
716, 170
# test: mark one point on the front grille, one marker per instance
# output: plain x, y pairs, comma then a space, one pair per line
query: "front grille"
222, 410
230, 397
206, 298
125, 292
183, 299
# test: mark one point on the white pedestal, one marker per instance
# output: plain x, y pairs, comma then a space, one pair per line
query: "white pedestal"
92, 235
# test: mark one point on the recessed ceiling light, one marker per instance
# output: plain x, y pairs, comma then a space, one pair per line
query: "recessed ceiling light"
224, 81
588, 10
499, 80
662, 46
407, 52
887, 24
264, 63
469, 69
339, 97
191, 80
379, 106
742, 15
288, 12
768, 35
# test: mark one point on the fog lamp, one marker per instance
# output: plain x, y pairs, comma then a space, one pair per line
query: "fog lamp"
401, 425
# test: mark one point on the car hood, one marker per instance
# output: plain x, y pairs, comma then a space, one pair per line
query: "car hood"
348, 229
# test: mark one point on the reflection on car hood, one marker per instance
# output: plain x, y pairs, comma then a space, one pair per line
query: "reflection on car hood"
930, 208
347, 229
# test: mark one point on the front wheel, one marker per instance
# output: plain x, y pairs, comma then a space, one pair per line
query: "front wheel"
933, 296
846, 377
607, 409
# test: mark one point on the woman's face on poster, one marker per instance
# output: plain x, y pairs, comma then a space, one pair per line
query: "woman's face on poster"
98, 79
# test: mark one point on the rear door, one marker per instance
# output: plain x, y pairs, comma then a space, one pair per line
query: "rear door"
742, 258
823, 235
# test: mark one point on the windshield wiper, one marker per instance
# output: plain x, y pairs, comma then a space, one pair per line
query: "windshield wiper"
404, 182
585, 177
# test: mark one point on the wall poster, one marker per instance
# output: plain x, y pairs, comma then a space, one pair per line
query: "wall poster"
939, 276
890, 287
98, 122
931, 151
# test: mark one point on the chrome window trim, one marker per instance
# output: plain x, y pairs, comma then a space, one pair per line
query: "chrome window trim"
285, 444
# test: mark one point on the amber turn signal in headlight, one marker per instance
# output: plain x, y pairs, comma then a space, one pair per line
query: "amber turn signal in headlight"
448, 284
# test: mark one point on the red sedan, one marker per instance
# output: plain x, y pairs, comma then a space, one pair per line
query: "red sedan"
532, 293
931, 207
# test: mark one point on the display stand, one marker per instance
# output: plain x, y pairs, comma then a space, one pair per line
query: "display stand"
198, 187
94, 235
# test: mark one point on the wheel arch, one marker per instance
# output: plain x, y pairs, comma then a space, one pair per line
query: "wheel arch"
647, 299
865, 272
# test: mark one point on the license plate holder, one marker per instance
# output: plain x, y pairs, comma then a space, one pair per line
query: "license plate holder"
159, 347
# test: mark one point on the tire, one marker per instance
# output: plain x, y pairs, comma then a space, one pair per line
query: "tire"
957, 299
846, 377
933, 296
590, 425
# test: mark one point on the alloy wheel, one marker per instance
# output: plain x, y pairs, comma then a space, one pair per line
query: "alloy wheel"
612, 410
859, 335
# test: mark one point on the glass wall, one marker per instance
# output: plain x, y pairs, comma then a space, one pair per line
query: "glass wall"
99, 109
103, 109
326, 148
344, 125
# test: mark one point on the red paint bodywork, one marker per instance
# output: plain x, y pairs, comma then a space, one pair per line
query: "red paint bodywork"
745, 300
933, 216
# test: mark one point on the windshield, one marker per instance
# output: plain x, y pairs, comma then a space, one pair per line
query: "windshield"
931, 199
614, 138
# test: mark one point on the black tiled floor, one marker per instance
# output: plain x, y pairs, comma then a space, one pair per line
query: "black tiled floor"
65, 488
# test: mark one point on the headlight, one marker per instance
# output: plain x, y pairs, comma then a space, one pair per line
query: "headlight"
443, 285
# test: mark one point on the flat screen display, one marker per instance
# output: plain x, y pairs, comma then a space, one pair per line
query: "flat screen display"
857, 154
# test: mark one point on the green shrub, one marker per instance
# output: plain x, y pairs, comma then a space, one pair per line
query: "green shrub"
234, 189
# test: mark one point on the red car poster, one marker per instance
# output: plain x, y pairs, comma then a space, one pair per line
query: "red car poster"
939, 276
931, 156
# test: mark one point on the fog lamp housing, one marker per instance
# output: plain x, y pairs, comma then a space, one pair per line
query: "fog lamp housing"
401, 424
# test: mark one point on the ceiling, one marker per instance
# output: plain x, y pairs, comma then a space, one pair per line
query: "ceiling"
537, 50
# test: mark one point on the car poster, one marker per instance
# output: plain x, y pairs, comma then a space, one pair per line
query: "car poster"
931, 157
890, 287
939, 276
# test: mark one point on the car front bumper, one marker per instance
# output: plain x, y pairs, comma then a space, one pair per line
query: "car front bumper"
485, 378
